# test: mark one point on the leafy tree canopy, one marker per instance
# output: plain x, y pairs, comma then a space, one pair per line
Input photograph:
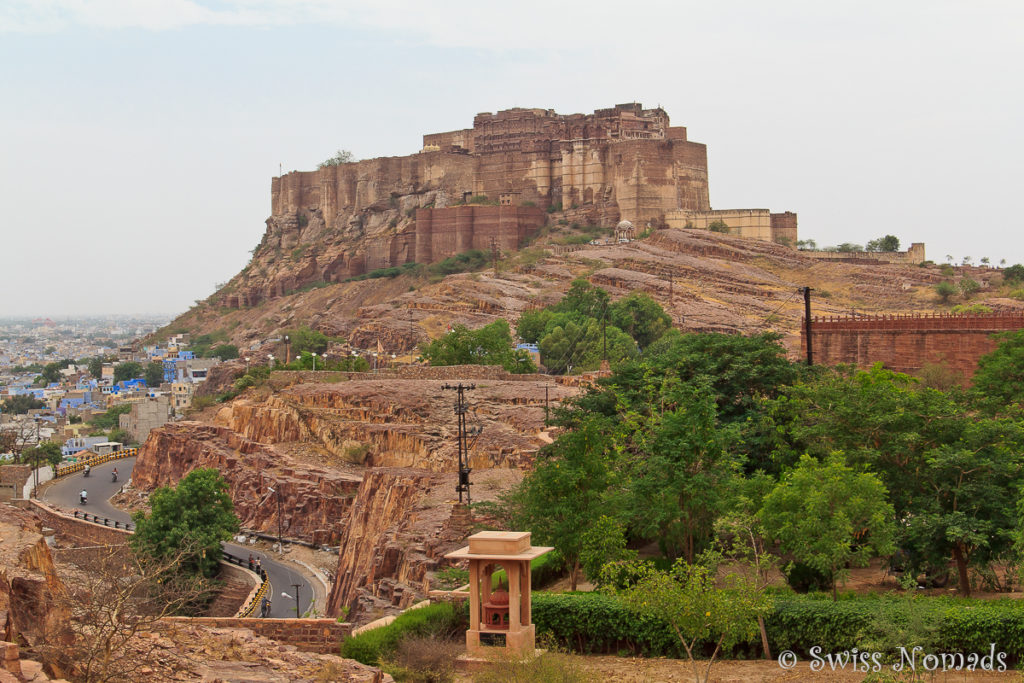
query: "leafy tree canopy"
21, 404
999, 379
195, 516
154, 374
128, 370
886, 243
829, 516
342, 156
489, 345
305, 339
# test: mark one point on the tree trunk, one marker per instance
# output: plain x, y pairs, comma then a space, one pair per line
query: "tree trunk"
961, 570
574, 574
764, 637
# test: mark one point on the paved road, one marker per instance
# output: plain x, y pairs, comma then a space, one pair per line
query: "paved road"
65, 494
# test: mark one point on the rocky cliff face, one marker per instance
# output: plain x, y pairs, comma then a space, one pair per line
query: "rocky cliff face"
31, 612
402, 521
315, 501
397, 422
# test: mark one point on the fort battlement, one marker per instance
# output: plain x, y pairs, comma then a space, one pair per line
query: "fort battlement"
906, 343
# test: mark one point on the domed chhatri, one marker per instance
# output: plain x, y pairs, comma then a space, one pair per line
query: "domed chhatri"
500, 611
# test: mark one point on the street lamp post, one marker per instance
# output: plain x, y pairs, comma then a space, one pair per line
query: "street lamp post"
270, 357
247, 363
314, 361
287, 350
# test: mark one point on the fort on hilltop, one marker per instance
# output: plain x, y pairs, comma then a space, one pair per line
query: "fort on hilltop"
495, 184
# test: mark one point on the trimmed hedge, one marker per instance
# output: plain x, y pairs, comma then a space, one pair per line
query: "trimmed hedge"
599, 623
371, 646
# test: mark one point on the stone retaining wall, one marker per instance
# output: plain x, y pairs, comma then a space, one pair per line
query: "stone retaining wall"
309, 635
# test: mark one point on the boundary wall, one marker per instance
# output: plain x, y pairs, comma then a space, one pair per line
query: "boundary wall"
906, 343
323, 636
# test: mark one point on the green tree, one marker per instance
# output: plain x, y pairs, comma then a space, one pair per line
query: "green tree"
603, 542
304, 339
718, 226
154, 374
968, 287
945, 290
699, 607
120, 436
51, 371
581, 346
999, 379
641, 317
1014, 273
21, 404
887, 243
682, 481
921, 442
829, 516
226, 351
565, 492
489, 345
46, 453
195, 516
96, 367
849, 247
128, 370
342, 156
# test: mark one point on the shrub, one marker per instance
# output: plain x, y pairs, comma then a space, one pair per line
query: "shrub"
423, 659
718, 226
550, 667
970, 308
945, 289
557, 206
968, 287
440, 620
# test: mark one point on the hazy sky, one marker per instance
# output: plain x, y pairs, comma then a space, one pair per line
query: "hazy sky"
138, 138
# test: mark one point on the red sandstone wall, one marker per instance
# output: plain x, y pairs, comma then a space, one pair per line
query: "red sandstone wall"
441, 233
907, 343
309, 635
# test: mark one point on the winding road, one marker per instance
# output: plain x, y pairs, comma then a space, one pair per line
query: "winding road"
65, 494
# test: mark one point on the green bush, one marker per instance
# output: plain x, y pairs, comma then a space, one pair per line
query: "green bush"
595, 622
599, 623
369, 647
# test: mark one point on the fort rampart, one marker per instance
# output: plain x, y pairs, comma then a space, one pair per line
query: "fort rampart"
906, 343
912, 256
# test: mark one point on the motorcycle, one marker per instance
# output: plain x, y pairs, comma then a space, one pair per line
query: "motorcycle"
83, 499
113, 476
87, 470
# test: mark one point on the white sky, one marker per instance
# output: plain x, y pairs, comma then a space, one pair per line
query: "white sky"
138, 137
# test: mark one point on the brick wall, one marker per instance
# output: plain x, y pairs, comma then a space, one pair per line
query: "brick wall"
309, 635
907, 343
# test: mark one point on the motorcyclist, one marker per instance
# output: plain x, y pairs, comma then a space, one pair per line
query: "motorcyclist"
87, 470
113, 475
83, 496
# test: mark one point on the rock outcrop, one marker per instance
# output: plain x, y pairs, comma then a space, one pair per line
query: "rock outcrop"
315, 501
402, 521
391, 421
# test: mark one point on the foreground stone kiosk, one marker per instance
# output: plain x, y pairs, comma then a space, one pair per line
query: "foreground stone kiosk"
496, 614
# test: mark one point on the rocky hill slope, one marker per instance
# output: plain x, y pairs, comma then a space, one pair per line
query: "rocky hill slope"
707, 281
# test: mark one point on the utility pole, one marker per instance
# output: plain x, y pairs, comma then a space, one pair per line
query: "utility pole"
297, 586
545, 404
807, 325
460, 416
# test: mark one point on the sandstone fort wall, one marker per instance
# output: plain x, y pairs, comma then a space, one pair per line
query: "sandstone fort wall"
309, 635
912, 256
908, 343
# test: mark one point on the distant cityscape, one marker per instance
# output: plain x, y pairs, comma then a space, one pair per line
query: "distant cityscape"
86, 386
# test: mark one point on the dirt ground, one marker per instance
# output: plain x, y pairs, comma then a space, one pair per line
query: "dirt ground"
635, 670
